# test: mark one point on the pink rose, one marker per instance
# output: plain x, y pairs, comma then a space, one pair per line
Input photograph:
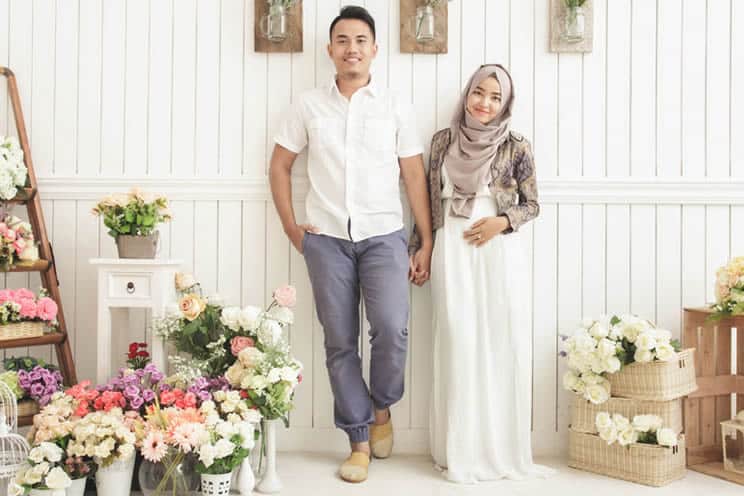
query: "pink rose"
286, 296
28, 308
10, 235
6, 295
3, 227
24, 294
239, 343
19, 244
46, 309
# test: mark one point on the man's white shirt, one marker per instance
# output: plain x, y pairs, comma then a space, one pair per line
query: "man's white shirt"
353, 150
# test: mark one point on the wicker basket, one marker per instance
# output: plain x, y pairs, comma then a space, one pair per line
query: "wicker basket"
27, 408
647, 464
25, 329
584, 413
656, 381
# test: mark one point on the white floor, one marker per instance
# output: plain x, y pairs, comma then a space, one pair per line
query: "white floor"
310, 474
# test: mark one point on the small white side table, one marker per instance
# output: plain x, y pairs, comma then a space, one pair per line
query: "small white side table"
131, 283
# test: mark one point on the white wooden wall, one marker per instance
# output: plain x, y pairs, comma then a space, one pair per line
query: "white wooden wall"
639, 150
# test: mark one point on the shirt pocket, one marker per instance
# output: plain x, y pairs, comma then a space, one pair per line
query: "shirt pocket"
325, 132
379, 139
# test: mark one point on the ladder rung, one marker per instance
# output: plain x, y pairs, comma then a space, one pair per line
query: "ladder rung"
37, 266
51, 338
24, 195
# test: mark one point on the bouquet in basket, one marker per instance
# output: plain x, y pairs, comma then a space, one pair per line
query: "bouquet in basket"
646, 429
729, 290
604, 346
17, 242
13, 172
22, 305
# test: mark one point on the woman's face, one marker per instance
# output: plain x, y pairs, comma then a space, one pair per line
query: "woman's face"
484, 102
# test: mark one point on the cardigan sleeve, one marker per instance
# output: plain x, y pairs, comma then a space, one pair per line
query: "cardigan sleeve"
528, 207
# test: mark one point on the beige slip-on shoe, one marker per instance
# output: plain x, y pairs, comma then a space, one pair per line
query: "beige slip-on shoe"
355, 468
381, 439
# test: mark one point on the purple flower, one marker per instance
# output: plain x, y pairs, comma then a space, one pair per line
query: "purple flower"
45, 399
136, 402
204, 395
148, 395
35, 375
36, 390
131, 392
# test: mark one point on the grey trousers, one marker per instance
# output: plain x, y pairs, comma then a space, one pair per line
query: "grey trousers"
338, 270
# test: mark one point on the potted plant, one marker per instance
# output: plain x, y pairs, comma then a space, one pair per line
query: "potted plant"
132, 219
574, 26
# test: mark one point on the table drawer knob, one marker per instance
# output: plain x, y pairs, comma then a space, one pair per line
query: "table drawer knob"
130, 287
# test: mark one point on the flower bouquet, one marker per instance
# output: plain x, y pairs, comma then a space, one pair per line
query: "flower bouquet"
604, 346
13, 171
23, 314
40, 383
132, 219
45, 471
645, 429
729, 290
17, 242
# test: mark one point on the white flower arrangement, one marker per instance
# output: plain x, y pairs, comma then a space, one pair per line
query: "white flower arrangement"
44, 471
600, 347
646, 429
102, 436
13, 172
229, 441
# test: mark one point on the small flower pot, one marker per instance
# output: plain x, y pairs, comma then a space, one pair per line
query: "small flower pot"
138, 246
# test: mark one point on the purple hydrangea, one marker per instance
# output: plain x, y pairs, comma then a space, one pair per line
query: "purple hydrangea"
40, 383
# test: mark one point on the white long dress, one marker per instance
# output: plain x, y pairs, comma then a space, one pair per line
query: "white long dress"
481, 395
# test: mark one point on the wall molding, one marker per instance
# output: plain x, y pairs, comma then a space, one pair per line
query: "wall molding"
645, 191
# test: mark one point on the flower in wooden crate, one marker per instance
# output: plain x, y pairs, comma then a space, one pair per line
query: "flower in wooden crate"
729, 290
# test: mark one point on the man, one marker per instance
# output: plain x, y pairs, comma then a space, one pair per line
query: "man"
361, 138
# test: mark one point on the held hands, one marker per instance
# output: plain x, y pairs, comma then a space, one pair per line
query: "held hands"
420, 266
298, 232
485, 229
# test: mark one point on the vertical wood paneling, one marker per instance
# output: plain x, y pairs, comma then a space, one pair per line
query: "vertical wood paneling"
175, 88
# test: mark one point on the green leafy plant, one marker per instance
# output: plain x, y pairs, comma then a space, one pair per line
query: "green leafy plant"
573, 4
281, 3
134, 213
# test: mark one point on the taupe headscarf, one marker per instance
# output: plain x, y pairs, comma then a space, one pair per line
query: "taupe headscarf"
474, 145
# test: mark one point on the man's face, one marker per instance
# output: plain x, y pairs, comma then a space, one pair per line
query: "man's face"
352, 48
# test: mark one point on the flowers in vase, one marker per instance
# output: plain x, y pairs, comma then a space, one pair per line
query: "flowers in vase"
13, 171
103, 436
604, 346
17, 242
45, 470
55, 420
18, 305
130, 389
646, 429
137, 356
228, 443
729, 290
135, 213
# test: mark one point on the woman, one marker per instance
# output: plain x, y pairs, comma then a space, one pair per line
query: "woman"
482, 186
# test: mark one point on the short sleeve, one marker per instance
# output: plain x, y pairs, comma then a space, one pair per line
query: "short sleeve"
408, 142
292, 133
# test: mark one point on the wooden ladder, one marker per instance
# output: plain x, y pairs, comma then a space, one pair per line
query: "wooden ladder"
45, 265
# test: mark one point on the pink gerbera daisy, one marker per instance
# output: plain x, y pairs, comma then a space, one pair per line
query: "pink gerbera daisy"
154, 447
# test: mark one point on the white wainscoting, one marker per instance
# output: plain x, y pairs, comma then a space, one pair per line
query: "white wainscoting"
638, 145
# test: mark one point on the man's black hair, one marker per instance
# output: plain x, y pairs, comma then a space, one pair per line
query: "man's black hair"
354, 12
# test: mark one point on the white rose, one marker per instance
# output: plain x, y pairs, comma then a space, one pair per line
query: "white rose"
643, 356
252, 416
255, 382
608, 434
583, 342
627, 436
270, 333
606, 348
288, 374
246, 433
225, 430
631, 331
207, 454
282, 314
597, 394
645, 341
613, 364
58, 479
666, 437
599, 331
665, 352
36, 455
597, 364
30, 253
603, 420
249, 357
234, 375
662, 335
249, 317
184, 281
591, 378
274, 376
230, 317
223, 448
621, 422
646, 423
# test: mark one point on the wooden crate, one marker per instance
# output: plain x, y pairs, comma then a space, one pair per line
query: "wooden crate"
705, 408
